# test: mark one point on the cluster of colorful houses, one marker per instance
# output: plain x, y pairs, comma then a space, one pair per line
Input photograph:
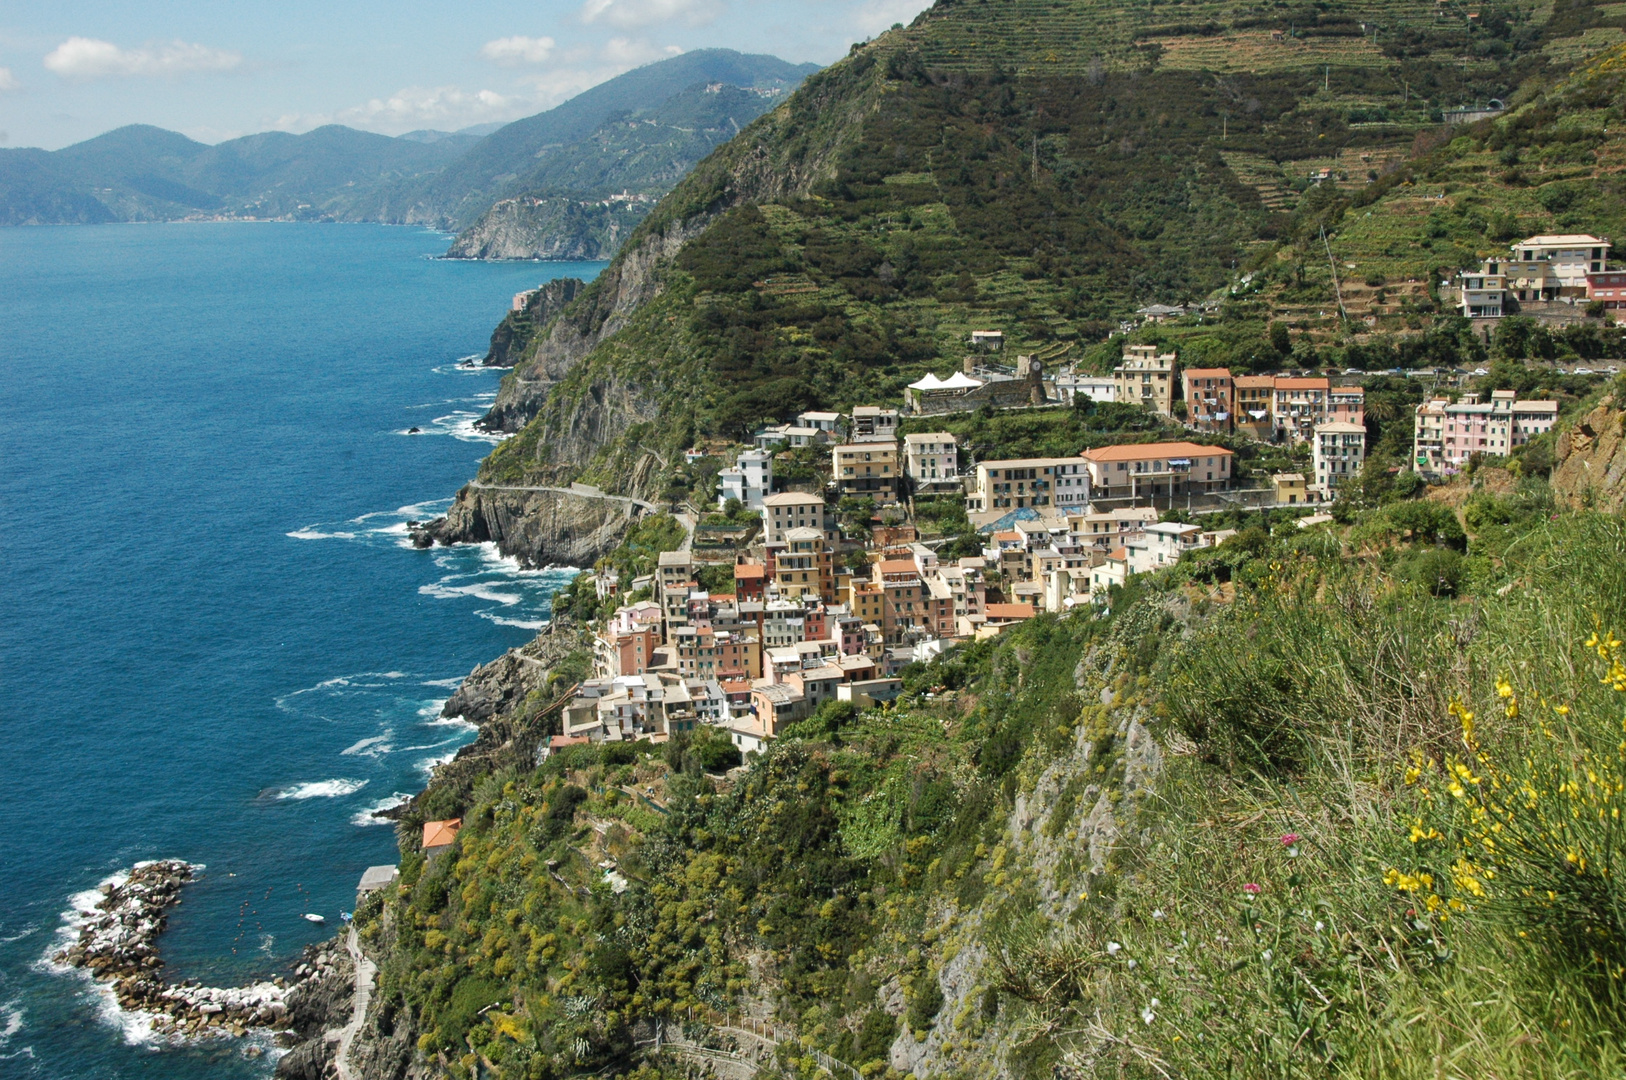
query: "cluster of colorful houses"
810, 619
803, 627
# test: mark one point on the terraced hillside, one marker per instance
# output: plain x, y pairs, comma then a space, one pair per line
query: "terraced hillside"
952, 175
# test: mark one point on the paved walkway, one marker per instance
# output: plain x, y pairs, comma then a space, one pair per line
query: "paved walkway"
365, 970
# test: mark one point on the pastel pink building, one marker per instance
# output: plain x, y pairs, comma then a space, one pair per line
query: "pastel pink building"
1446, 435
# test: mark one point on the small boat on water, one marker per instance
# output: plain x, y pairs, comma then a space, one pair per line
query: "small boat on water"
308, 917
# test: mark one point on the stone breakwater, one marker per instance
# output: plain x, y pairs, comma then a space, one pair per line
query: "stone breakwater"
117, 944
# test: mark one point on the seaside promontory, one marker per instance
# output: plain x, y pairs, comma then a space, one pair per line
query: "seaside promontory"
1101, 560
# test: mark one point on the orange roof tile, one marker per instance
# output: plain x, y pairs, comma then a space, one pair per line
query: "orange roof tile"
1254, 382
1141, 451
747, 571
1283, 383
1208, 373
1009, 611
440, 833
899, 566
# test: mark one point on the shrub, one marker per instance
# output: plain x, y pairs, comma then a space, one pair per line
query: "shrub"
1527, 830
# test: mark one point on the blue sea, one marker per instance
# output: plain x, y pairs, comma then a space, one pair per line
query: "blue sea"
215, 642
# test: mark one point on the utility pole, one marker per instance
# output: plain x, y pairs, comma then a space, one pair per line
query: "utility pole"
1337, 290
1326, 77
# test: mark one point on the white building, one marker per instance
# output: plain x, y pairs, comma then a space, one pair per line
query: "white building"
828, 422
1106, 530
930, 457
1161, 545
1338, 451
1480, 292
749, 480
1072, 385
1112, 570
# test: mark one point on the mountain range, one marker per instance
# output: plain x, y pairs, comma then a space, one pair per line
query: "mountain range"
444, 179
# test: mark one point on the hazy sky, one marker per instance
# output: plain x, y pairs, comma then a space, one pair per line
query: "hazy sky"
70, 69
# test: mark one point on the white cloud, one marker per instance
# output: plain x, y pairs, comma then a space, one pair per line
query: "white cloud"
629, 53
629, 14
874, 16
8, 81
88, 58
513, 51
443, 107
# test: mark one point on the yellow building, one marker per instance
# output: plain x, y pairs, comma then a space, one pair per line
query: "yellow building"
867, 470
1146, 377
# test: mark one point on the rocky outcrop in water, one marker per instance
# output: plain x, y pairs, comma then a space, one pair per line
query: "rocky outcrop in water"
538, 527
118, 944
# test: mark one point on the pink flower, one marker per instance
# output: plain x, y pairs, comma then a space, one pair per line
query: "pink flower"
1289, 839
1251, 889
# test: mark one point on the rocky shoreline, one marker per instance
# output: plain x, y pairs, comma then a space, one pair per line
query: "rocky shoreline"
117, 944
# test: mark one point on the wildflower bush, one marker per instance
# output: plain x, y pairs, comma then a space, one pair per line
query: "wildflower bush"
1526, 830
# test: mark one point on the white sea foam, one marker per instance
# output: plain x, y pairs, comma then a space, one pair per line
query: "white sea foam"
444, 721
366, 816
7, 939
322, 789
311, 532
268, 944
481, 590
450, 684
523, 624
369, 747
428, 765
11, 1020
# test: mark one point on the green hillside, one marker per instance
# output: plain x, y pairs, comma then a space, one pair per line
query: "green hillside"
951, 175
1324, 803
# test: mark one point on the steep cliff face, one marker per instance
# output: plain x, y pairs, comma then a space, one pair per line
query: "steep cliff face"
604, 309
538, 527
1591, 470
548, 228
519, 328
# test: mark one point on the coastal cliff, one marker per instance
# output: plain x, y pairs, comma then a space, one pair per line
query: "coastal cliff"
543, 227
518, 329
539, 527
601, 310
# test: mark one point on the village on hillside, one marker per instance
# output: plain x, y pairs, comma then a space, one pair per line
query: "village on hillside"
808, 586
